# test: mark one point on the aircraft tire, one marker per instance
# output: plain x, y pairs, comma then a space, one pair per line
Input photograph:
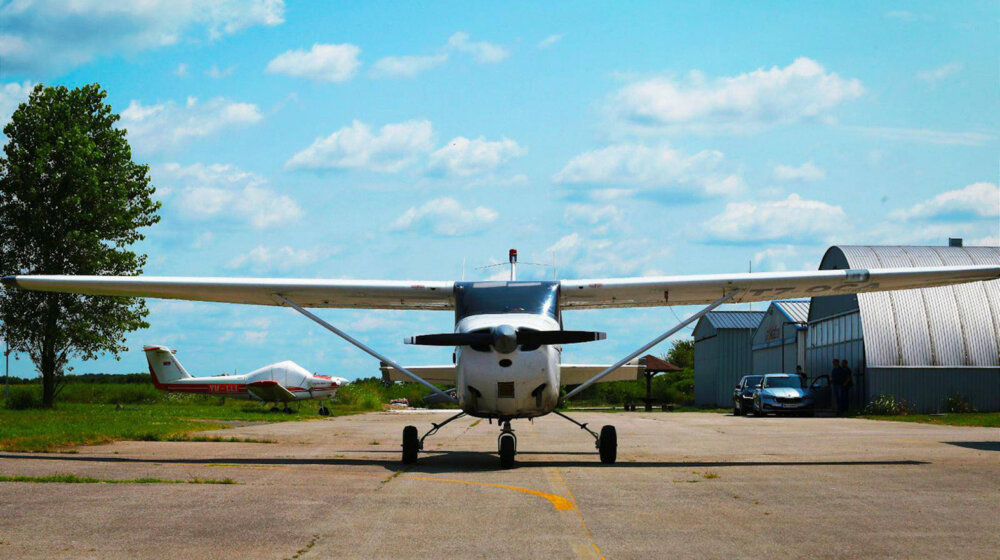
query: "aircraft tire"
608, 445
410, 445
324, 411
508, 448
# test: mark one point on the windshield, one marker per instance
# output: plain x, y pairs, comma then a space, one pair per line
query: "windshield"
783, 381
752, 381
484, 298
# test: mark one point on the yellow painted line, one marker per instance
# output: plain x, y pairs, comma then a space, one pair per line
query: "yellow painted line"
559, 502
583, 523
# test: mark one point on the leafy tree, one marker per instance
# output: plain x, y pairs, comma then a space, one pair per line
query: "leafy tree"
72, 201
681, 354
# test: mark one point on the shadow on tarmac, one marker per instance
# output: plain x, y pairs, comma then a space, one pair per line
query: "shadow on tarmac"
979, 445
440, 462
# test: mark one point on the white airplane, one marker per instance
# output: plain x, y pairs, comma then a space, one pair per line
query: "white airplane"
508, 336
282, 382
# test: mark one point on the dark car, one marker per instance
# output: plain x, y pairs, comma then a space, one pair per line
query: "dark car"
743, 394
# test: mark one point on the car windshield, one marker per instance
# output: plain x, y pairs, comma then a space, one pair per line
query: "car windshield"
484, 298
783, 381
752, 381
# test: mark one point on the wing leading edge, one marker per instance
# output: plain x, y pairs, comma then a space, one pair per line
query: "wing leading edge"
574, 294
704, 289
360, 294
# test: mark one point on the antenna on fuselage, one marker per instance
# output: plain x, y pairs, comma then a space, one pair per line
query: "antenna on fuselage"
513, 264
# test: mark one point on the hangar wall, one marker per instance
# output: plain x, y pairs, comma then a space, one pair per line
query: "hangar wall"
722, 356
779, 342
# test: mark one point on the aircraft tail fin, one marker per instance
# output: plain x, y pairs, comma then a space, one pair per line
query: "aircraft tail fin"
164, 366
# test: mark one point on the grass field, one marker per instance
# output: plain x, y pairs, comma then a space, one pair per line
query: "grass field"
103, 412
983, 419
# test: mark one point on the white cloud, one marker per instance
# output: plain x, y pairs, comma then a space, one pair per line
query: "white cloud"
329, 63
214, 192
550, 40
165, 125
793, 219
935, 75
924, 135
599, 218
216, 74
805, 172
774, 258
12, 95
356, 147
203, 240
182, 70
464, 157
624, 165
53, 36
978, 200
265, 259
800, 91
482, 52
445, 216
582, 256
406, 66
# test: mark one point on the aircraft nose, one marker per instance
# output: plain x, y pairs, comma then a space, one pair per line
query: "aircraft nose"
504, 339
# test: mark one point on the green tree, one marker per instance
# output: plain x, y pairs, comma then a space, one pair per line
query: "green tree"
681, 354
72, 201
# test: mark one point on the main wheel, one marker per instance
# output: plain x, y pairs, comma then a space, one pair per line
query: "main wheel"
275, 409
507, 449
410, 445
324, 411
608, 445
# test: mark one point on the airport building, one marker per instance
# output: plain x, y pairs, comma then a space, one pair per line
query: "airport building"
779, 342
919, 345
722, 342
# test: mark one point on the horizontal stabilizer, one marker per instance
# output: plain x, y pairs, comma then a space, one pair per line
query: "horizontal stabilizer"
523, 337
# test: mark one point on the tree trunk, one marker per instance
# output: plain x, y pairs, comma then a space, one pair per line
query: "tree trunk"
48, 365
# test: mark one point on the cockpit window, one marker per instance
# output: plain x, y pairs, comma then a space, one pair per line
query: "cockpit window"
486, 298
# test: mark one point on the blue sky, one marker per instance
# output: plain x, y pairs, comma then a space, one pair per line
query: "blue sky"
399, 141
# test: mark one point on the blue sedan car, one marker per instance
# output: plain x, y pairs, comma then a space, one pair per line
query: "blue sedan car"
782, 393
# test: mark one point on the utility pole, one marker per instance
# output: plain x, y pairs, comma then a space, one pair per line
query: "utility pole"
6, 377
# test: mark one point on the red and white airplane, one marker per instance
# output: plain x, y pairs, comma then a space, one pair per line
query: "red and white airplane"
282, 382
508, 336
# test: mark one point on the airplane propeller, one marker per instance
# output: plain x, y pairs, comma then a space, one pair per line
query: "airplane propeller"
505, 338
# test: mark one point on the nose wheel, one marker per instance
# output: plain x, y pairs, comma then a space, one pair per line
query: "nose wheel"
507, 446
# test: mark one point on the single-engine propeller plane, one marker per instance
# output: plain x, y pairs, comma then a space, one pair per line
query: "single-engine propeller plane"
508, 335
282, 382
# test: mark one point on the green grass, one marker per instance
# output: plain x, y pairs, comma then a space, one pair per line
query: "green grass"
983, 419
74, 479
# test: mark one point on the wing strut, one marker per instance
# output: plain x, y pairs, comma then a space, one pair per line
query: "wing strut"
651, 344
362, 346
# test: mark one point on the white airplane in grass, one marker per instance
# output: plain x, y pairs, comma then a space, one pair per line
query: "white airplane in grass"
508, 336
282, 382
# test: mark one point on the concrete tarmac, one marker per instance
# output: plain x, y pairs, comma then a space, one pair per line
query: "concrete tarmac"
686, 485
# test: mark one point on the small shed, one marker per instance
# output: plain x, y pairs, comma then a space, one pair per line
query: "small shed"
779, 343
722, 354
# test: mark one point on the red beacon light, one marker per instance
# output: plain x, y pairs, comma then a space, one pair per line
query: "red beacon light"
513, 255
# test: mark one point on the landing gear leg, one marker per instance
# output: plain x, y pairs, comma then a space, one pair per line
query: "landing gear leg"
413, 444
606, 442
507, 446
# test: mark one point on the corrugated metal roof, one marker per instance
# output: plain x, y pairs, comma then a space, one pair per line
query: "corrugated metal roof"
735, 319
795, 309
947, 326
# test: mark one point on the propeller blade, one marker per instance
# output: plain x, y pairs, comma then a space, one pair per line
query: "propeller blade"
451, 339
541, 338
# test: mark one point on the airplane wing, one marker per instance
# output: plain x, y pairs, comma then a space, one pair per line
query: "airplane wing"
759, 286
270, 391
443, 374
361, 294
574, 294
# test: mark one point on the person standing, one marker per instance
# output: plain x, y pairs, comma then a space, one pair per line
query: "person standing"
837, 381
801, 374
847, 383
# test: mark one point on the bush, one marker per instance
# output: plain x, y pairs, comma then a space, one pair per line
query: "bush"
958, 403
23, 398
887, 405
